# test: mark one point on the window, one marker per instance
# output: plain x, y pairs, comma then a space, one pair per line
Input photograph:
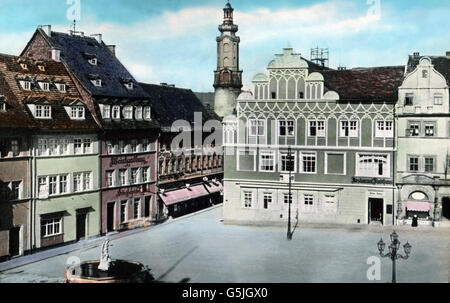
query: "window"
61, 87
438, 99
97, 82
77, 112
129, 85
335, 163
109, 148
287, 163
316, 128
63, 184
52, 185
128, 112
123, 147
42, 111
286, 128
87, 146
256, 127
429, 164
309, 199
51, 227
409, 99
429, 130
26, 85
86, 181
414, 129
110, 178
52, 147
329, 199
116, 112
372, 165
384, 129
147, 113
77, 179
145, 174
15, 147
138, 113
93, 61
246, 160
413, 163
42, 186
123, 211
78, 146
45, 86
274, 95
248, 199
15, 190
136, 208
267, 200
349, 129
64, 146
42, 147
134, 175
4, 191
308, 164
2, 106
133, 146
267, 161
123, 176
106, 111
287, 198
424, 74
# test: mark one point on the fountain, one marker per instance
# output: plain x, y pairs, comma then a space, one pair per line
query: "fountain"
107, 270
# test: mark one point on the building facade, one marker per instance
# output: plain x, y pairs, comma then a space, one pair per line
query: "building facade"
128, 133
339, 128
423, 160
227, 76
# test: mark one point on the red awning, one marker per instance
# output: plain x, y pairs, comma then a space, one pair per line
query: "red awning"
214, 187
184, 194
423, 206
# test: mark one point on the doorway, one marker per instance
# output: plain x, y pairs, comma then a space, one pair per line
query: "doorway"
110, 216
81, 225
14, 241
446, 208
375, 210
147, 207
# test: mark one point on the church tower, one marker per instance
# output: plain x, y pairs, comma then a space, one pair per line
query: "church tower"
227, 77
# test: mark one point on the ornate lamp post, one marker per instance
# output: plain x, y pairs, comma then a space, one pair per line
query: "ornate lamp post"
393, 252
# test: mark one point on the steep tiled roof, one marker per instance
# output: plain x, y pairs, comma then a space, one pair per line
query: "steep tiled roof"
173, 104
75, 52
18, 114
361, 84
441, 64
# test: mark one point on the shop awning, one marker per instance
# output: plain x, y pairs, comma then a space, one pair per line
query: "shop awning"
184, 194
423, 206
214, 187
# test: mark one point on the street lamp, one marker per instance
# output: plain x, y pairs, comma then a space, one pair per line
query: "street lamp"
290, 166
393, 252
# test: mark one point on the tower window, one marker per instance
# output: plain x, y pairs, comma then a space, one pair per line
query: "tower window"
409, 99
274, 95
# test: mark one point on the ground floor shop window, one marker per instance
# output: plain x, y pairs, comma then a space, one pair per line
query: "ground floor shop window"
51, 227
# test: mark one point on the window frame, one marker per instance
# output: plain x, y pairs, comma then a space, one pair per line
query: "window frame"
267, 153
303, 154
257, 127
280, 162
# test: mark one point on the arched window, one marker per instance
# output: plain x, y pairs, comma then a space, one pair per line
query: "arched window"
424, 73
226, 48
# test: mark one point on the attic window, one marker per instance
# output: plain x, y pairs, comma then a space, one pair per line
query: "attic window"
409, 99
93, 61
42, 111
61, 87
2, 106
77, 112
97, 82
129, 85
147, 113
45, 86
116, 112
128, 112
138, 113
24, 66
26, 84
41, 68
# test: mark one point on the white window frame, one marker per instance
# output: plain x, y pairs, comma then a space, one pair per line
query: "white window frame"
384, 129
267, 198
280, 156
267, 153
147, 113
52, 222
248, 199
344, 164
45, 86
286, 126
106, 112
127, 112
97, 82
61, 87
43, 111
353, 128
306, 154
438, 99
258, 123
138, 113
252, 152
360, 172
93, 61
77, 112
115, 112
320, 127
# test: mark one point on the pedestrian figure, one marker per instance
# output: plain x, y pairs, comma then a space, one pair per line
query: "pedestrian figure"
414, 221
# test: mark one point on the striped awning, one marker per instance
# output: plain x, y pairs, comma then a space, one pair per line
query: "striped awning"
184, 194
422, 206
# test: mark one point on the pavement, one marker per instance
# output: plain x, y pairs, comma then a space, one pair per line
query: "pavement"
200, 248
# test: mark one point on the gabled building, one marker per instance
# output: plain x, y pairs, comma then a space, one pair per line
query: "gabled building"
339, 126
190, 175
423, 162
63, 152
128, 137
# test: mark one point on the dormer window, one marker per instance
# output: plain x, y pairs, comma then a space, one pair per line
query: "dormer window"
138, 113
424, 73
116, 112
147, 113
41, 68
77, 112
97, 82
42, 111
128, 112
2, 106
45, 86
24, 66
106, 113
61, 87
129, 85
93, 61
26, 84
409, 99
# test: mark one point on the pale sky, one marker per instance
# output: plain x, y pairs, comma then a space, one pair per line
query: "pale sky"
174, 41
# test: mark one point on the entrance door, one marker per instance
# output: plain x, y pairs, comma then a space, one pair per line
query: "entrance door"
446, 208
14, 241
147, 207
375, 210
110, 217
81, 226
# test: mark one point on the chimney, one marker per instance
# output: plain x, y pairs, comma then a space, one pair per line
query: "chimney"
47, 29
112, 49
56, 54
97, 37
416, 55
